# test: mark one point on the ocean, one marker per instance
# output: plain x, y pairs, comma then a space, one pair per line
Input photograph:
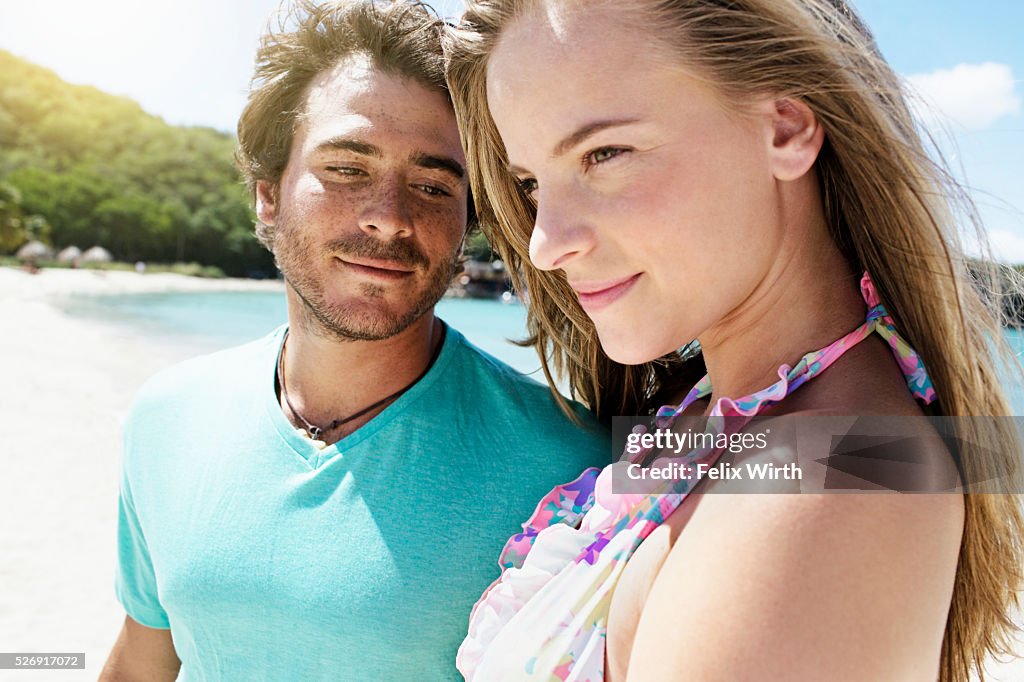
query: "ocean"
209, 321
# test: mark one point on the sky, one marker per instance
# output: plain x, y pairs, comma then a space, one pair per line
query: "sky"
190, 61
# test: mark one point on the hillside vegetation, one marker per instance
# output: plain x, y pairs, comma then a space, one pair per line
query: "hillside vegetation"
82, 167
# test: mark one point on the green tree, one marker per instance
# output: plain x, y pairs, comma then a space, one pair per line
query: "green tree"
100, 170
477, 246
16, 228
12, 229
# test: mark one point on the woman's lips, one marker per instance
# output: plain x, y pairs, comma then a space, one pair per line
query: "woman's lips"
595, 296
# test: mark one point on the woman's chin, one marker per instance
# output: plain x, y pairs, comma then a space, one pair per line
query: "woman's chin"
629, 347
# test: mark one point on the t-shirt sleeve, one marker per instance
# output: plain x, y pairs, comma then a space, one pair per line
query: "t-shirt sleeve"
135, 583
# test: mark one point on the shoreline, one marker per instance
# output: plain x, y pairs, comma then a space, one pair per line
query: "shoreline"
61, 282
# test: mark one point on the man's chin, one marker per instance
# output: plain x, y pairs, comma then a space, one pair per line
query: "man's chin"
368, 320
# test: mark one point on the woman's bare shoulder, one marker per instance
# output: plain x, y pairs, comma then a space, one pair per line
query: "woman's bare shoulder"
799, 586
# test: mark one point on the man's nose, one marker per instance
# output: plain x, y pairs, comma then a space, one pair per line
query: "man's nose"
560, 234
386, 213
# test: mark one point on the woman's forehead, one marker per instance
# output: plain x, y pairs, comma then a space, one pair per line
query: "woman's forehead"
569, 48
584, 65
565, 26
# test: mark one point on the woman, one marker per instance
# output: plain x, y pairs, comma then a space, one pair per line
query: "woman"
745, 175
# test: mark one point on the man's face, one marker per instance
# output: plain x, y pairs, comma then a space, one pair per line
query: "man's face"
370, 212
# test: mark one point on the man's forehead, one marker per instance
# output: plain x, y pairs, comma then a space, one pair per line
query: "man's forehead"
357, 99
350, 77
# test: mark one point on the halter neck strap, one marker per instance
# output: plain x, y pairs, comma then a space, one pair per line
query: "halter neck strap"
814, 363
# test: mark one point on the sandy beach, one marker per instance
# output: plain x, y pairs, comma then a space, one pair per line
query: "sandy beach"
68, 383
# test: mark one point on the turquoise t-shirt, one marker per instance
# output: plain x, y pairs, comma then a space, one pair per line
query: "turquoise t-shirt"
270, 559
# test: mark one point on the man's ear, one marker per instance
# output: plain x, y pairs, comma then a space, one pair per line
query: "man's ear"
796, 138
266, 202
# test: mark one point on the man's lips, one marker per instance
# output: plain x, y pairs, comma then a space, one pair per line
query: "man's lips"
595, 295
374, 267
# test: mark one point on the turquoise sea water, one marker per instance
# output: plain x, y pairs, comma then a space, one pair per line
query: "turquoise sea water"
209, 321
204, 322
1016, 341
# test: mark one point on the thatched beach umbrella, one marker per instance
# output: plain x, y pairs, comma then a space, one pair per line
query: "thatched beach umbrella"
97, 254
69, 255
33, 251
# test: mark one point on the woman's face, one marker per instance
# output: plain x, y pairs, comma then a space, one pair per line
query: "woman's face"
657, 203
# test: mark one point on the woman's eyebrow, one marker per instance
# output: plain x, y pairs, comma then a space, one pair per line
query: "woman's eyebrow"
577, 137
585, 131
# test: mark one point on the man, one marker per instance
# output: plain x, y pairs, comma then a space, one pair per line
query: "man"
329, 502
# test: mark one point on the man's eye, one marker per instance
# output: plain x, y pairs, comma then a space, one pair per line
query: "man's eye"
344, 170
434, 191
527, 185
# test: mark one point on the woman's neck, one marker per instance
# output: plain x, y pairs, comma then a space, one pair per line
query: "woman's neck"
807, 299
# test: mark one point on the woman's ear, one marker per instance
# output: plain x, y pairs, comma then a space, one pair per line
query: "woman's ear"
796, 138
266, 203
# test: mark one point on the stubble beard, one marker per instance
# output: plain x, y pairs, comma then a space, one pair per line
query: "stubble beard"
301, 261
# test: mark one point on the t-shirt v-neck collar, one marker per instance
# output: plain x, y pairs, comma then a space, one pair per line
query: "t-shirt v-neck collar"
303, 446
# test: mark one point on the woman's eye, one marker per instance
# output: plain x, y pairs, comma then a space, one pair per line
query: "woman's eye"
603, 154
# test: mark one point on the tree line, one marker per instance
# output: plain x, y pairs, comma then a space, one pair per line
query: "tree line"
82, 167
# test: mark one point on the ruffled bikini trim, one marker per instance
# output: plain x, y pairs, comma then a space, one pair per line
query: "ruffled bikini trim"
564, 504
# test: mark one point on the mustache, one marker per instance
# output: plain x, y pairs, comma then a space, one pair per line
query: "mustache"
402, 252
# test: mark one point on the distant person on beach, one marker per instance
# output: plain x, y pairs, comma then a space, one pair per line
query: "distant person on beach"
725, 210
325, 502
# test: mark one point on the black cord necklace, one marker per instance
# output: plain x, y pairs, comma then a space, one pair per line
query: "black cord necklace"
316, 431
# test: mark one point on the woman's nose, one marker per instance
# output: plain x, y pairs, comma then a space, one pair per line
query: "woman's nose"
560, 235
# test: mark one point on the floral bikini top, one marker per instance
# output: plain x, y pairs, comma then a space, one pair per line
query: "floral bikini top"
546, 617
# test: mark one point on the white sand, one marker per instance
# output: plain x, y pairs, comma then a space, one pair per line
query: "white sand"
67, 384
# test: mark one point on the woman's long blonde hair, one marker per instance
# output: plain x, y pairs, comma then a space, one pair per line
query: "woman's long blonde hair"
891, 209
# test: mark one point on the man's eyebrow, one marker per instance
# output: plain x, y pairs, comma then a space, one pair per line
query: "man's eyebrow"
351, 145
444, 163
422, 160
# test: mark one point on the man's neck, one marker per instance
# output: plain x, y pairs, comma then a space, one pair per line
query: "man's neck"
329, 378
